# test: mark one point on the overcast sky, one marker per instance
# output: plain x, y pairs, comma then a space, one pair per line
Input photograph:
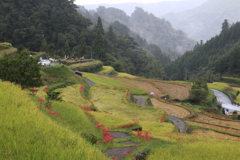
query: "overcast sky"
85, 2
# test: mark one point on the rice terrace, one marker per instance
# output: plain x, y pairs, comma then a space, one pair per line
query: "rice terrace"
104, 120
117, 82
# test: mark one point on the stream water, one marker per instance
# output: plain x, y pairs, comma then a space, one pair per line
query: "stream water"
225, 101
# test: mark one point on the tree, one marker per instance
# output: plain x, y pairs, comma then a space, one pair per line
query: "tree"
225, 25
21, 69
99, 46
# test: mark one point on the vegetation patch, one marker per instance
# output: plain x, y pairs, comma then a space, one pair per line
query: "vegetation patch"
92, 66
21, 121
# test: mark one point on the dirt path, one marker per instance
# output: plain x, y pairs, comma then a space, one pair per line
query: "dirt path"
170, 109
178, 123
121, 153
91, 83
140, 100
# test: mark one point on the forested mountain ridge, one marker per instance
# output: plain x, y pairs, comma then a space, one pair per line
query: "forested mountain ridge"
204, 21
119, 27
58, 29
218, 56
154, 30
158, 8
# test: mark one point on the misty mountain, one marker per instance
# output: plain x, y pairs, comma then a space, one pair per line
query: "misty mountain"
217, 57
158, 9
154, 30
204, 22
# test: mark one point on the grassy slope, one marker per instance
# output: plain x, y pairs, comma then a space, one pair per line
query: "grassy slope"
111, 100
59, 74
6, 51
26, 133
103, 80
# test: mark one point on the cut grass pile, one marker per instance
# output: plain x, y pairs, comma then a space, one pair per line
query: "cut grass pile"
103, 80
26, 133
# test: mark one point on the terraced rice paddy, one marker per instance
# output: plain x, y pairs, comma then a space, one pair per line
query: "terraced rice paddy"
218, 128
175, 90
170, 108
110, 100
212, 134
142, 85
225, 123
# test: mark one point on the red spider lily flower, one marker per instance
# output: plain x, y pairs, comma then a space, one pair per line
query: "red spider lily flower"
127, 153
114, 157
54, 113
97, 122
99, 126
41, 100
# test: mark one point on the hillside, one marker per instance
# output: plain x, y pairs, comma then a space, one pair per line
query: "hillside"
103, 126
217, 57
38, 27
204, 21
154, 30
158, 8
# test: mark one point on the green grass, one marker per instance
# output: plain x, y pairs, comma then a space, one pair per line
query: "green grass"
103, 80
59, 74
210, 149
74, 118
107, 70
26, 133
218, 86
72, 94
125, 75
92, 66
7, 51
112, 100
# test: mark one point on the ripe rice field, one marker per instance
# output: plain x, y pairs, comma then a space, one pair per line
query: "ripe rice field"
170, 108
218, 128
142, 85
215, 135
175, 90
110, 100
225, 123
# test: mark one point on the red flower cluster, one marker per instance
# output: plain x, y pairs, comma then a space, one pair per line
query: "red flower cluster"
41, 100
127, 153
144, 135
128, 125
86, 108
70, 102
34, 89
163, 118
107, 136
215, 115
46, 88
54, 113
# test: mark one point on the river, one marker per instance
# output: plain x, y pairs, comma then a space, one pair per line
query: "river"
225, 101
